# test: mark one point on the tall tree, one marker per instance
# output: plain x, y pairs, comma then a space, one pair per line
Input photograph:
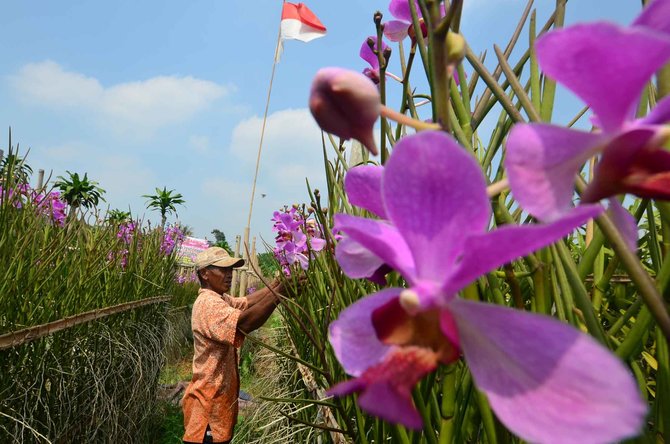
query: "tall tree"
79, 192
220, 241
165, 202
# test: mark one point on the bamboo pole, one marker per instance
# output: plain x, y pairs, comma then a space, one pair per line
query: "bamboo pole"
20, 337
236, 273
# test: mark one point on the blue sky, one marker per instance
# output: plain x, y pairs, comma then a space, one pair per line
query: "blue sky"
150, 94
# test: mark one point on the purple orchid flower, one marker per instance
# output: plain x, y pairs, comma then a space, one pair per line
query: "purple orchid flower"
397, 30
356, 260
607, 66
292, 239
546, 381
369, 56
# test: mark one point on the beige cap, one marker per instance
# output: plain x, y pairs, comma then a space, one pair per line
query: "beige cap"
218, 257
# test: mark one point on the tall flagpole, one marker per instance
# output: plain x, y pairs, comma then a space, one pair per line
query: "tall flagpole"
258, 158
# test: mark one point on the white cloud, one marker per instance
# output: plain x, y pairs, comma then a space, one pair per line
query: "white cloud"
199, 144
291, 137
140, 105
291, 152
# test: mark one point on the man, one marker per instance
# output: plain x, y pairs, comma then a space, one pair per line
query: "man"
219, 323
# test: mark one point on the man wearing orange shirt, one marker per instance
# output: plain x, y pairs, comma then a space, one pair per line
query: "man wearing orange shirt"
219, 322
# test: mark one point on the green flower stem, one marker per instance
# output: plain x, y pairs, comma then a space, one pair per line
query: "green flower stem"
652, 241
428, 431
650, 294
534, 69
499, 132
448, 405
399, 434
621, 321
549, 87
525, 101
591, 253
484, 100
361, 426
474, 78
420, 43
459, 133
565, 290
439, 64
461, 112
407, 120
663, 277
633, 341
598, 274
494, 285
580, 295
382, 88
662, 403
577, 117
494, 87
487, 418
465, 91
541, 283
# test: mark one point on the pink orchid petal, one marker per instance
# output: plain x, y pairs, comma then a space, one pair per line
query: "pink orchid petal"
355, 260
396, 30
594, 61
434, 193
656, 16
488, 251
546, 381
387, 387
659, 115
382, 239
542, 162
368, 55
317, 244
353, 336
625, 223
400, 9
363, 187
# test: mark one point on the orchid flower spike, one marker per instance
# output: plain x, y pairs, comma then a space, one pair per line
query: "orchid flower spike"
368, 54
346, 104
607, 66
545, 380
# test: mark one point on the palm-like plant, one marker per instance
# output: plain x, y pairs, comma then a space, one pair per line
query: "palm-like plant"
79, 192
164, 201
116, 216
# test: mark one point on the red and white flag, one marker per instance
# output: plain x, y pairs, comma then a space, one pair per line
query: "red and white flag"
299, 23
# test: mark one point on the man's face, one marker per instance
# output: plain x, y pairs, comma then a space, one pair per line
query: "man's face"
220, 279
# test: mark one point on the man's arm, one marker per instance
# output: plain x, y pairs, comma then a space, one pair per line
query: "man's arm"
260, 305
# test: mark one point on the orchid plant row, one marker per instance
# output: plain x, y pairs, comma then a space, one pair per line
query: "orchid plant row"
434, 230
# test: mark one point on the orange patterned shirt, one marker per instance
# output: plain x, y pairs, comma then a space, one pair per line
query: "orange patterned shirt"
211, 397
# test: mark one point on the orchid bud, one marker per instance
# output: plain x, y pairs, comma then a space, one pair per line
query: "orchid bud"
377, 18
346, 104
455, 47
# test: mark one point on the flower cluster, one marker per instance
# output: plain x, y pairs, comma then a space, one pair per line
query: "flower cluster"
297, 237
51, 205
48, 204
190, 276
125, 234
172, 238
